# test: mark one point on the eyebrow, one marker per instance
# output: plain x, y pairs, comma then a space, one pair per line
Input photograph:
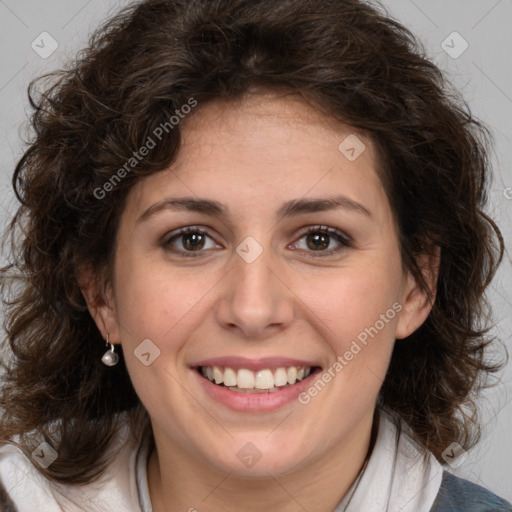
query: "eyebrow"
288, 209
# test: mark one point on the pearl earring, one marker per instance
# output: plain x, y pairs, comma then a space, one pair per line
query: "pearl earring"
110, 358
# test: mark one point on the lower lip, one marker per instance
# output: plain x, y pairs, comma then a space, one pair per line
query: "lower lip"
255, 402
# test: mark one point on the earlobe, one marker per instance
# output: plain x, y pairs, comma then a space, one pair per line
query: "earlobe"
416, 301
100, 304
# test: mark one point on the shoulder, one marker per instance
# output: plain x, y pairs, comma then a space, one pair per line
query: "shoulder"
21, 483
23, 488
458, 495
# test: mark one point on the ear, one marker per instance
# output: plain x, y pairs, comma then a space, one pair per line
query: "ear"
416, 305
100, 302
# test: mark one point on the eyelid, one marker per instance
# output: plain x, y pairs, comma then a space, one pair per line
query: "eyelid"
344, 240
329, 230
177, 233
186, 229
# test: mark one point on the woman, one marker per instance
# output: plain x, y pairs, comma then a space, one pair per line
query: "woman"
272, 215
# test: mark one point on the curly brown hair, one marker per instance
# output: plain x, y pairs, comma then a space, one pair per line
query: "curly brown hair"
350, 60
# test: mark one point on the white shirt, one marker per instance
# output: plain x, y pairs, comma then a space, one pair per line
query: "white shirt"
397, 479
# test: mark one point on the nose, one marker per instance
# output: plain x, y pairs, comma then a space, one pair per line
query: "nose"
255, 300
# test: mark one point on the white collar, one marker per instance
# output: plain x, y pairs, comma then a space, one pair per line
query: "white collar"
398, 476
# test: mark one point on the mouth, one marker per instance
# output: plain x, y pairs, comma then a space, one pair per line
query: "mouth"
255, 384
264, 380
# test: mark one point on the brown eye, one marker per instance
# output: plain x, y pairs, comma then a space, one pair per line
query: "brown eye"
318, 241
193, 241
187, 241
323, 240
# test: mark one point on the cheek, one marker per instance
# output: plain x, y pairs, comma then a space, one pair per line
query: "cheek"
357, 313
154, 299
351, 298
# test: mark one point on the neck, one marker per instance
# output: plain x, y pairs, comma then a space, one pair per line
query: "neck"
179, 482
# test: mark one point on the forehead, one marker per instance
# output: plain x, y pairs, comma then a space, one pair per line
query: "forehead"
263, 120
265, 146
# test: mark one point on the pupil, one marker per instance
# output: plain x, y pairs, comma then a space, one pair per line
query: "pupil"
196, 240
320, 241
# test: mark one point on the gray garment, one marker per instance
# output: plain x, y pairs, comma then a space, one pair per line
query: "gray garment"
453, 494
459, 495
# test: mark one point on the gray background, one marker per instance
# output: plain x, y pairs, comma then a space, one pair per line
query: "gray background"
483, 73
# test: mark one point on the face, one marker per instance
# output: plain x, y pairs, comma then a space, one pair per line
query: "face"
256, 276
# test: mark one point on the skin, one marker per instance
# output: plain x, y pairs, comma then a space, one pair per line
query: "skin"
252, 156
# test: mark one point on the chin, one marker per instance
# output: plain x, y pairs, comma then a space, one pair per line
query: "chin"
246, 460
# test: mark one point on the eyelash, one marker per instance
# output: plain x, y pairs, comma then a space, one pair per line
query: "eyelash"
344, 240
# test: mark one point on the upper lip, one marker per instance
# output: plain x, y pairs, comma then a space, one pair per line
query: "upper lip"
255, 364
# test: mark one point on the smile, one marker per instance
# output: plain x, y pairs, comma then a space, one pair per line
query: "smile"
243, 380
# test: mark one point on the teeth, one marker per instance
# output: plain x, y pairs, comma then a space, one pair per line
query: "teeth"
245, 379
281, 377
218, 376
229, 377
292, 375
248, 380
264, 380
